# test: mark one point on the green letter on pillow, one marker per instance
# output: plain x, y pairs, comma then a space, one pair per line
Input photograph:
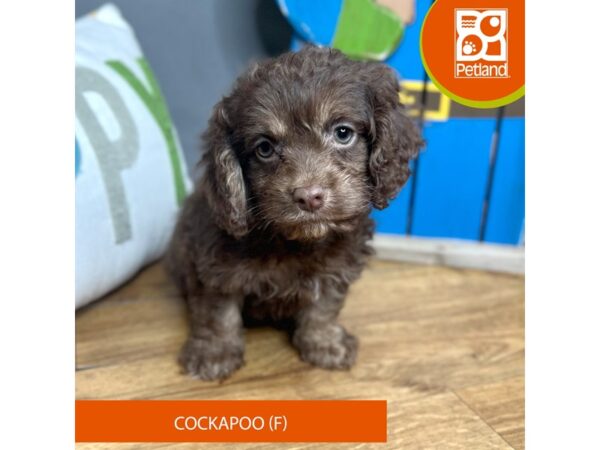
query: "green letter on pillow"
154, 101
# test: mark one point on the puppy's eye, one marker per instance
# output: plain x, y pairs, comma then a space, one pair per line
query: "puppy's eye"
265, 150
343, 134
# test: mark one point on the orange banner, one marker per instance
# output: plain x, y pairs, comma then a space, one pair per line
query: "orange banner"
231, 421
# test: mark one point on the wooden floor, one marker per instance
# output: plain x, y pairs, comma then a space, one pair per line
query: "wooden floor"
444, 347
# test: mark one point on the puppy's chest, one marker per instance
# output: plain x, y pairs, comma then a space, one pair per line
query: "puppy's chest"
286, 277
297, 278
281, 288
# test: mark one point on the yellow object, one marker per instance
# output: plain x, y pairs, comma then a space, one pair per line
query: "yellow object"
410, 96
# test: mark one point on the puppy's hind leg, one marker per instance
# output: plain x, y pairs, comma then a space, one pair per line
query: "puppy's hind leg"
318, 337
215, 346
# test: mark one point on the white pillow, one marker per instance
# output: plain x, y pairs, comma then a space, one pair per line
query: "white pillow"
130, 172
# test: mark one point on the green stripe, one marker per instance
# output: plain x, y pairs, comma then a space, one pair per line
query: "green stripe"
155, 103
366, 30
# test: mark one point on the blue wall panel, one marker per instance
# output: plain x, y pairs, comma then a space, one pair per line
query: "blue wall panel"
393, 219
507, 202
452, 177
407, 57
313, 21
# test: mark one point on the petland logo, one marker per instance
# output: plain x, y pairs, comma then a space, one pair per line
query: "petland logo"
481, 43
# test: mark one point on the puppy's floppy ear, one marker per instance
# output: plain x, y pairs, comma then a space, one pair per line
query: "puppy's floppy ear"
395, 140
223, 181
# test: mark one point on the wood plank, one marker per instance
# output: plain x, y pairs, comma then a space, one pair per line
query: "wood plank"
501, 405
475, 343
426, 332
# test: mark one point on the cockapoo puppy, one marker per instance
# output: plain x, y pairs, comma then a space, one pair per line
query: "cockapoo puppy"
277, 227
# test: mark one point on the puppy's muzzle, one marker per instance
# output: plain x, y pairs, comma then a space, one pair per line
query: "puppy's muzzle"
311, 198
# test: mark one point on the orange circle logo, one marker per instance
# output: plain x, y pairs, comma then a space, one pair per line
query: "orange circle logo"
474, 53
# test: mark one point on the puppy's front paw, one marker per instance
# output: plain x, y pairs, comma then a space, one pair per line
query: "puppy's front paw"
211, 359
329, 347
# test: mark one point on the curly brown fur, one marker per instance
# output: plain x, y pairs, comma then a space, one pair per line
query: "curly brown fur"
278, 225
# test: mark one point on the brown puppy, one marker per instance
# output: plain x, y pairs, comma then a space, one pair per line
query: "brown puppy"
277, 227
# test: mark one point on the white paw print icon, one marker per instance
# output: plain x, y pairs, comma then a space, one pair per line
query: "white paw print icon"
468, 47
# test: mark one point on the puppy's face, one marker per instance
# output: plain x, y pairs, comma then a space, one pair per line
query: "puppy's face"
308, 141
304, 153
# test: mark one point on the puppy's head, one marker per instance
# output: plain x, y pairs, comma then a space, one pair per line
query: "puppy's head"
305, 144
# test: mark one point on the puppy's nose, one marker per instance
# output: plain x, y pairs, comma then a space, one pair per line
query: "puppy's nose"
309, 198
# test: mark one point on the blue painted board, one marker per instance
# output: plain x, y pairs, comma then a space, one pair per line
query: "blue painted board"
312, 21
452, 178
407, 58
507, 201
393, 219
